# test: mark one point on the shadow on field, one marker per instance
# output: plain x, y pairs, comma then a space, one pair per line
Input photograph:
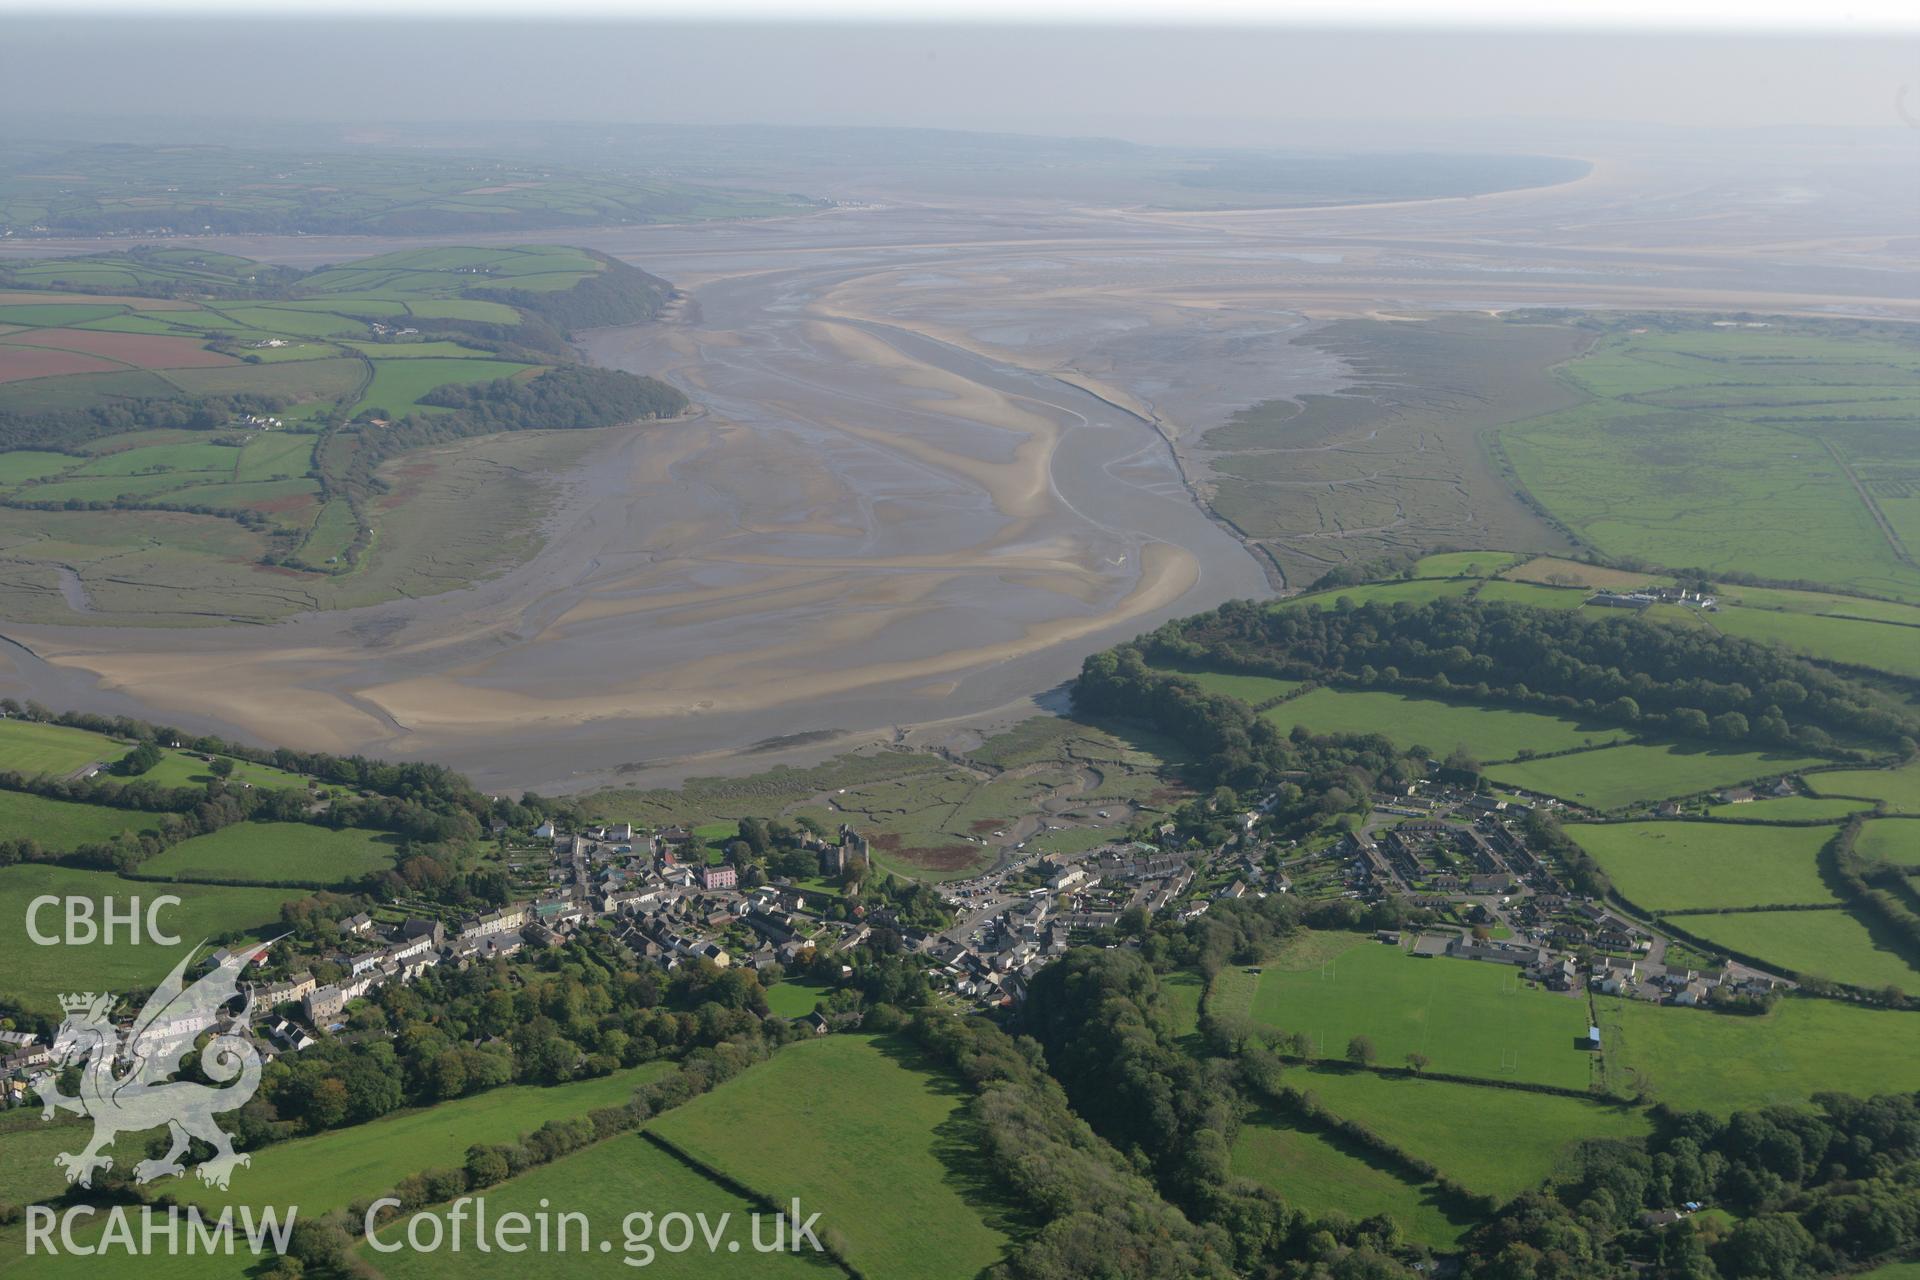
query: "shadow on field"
957, 1145
1431, 1194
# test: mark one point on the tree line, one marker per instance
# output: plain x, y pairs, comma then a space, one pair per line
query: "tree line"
65, 430
619, 293
1683, 682
1811, 1192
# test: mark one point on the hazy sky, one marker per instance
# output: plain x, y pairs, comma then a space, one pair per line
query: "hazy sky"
1269, 85
1856, 16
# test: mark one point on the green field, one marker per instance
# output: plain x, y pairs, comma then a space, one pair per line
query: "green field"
26, 464
863, 1131
1898, 788
791, 999
1416, 591
278, 853
1768, 444
1881, 646
1787, 809
418, 350
1498, 1142
1825, 944
15, 1263
162, 457
1313, 1174
274, 455
1534, 595
189, 769
331, 1170
1818, 602
1490, 733
27, 1147
1892, 1271
1249, 689
1666, 866
607, 1182
116, 189
1183, 989
37, 974
62, 825
149, 506
1614, 777
1466, 564
398, 384
1469, 1017
1894, 840
26, 747
464, 309
1699, 1060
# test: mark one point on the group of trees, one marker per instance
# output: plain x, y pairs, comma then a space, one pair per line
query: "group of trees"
1684, 682
64, 430
572, 396
435, 811
1689, 682
432, 785
1108, 1038
619, 293
1099, 1215
568, 395
1807, 1192
769, 847
1814, 1193
1311, 778
589, 1010
1879, 888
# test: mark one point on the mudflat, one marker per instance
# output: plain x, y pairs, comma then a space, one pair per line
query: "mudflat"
938, 455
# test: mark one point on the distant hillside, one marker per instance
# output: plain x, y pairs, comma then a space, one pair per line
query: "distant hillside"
148, 190
617, 294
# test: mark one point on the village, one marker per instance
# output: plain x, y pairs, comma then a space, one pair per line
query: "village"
1462, 858
1454, 863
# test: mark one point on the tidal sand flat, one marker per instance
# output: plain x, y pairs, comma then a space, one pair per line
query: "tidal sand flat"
862, 527
938, 455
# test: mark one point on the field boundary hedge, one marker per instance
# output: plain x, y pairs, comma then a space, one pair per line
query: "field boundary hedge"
1839, 861
1747, 911
1447, 1077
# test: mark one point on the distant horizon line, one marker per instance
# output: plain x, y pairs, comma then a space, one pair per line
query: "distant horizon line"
1755, 19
